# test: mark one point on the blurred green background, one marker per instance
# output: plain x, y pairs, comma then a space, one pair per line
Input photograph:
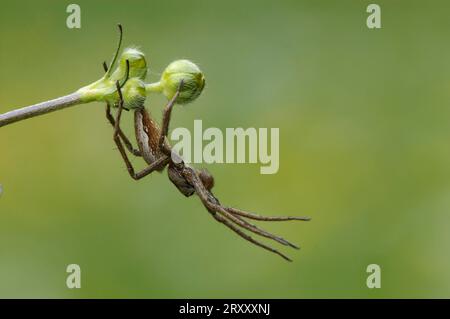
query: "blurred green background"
364, 150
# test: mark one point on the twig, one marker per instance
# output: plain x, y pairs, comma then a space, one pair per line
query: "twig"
93, 92
40, 109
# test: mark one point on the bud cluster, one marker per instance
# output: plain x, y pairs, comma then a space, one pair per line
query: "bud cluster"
131, 72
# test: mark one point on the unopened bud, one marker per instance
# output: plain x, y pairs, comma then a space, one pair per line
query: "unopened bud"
137, 63
134, 93
186, 71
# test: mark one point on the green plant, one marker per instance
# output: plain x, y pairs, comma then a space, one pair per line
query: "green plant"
130, 72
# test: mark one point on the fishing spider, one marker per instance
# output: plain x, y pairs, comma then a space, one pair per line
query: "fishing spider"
155, 149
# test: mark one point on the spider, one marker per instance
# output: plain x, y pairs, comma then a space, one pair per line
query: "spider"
154, 148
153, 144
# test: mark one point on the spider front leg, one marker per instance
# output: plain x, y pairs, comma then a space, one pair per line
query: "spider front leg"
232, 218
160, 162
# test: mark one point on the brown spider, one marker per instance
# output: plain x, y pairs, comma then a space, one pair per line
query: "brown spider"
155, 149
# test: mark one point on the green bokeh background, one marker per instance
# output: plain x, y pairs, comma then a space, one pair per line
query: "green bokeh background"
364, 150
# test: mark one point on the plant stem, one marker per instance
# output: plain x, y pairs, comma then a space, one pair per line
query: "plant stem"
40, 108
154, 87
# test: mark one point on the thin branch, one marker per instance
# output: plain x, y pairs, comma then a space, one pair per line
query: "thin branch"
40, 109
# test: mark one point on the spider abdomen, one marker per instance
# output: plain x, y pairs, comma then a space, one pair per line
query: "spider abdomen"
147, 135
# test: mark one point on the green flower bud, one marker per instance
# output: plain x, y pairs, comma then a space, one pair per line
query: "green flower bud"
105, 88
133, 93
138, 65
186, 71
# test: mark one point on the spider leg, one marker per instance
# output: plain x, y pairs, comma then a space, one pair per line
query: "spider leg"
254, 216
214, 202
163, 145
221, 215
255, 229
162, 161
109, 116
122, 135
238, 231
